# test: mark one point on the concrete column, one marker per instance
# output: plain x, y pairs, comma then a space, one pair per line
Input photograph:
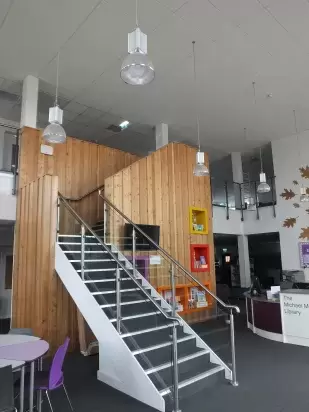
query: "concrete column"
237, 176
161, 135
244, 262
29, 106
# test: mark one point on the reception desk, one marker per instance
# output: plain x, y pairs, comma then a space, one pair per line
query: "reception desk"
264, 317
283, 320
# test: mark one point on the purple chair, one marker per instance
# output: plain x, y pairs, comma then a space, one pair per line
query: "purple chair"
53, 379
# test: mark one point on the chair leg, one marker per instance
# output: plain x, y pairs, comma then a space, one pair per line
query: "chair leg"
64, 388
48, 398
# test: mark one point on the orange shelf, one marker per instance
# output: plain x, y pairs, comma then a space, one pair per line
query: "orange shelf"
183, 293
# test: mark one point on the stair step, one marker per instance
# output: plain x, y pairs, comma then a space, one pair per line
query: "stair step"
76, 239
142, 323
186, 370
148, 330
141, 315
110, 284
181, 359
126, 296
133, 302
163, 345
162, 354
110, 292
214, 371
100, 264
157, 337
102, 275
132, 309
70, 247
98, 226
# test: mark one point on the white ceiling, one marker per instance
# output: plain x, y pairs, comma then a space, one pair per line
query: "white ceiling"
237, 42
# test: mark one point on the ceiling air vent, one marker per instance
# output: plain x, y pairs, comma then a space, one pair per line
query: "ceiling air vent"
113, 128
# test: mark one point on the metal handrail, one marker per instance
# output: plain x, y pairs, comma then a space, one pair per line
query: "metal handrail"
82, 222
77, 199
175, 262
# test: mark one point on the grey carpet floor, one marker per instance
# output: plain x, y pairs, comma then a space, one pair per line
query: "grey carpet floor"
273, 377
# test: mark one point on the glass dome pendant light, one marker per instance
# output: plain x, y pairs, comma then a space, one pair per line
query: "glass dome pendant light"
200, 169
54, 132
137, 69
263, 187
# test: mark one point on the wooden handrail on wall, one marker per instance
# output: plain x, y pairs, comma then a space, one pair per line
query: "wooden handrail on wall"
77, 199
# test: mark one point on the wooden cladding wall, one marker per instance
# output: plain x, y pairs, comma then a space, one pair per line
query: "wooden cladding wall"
40, 300
159, 189
80, 166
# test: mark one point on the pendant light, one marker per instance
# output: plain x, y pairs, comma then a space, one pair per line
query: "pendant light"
54, 132
263, 187
200, 168
304, 197
137, 69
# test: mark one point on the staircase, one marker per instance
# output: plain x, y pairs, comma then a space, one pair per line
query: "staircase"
136, 328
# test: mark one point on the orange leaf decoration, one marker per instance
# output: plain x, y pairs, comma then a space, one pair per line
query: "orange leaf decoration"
289, 222
304, 233
304, 171
287, 194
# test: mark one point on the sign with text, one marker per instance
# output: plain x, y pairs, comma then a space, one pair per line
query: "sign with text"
295, 313
304, 254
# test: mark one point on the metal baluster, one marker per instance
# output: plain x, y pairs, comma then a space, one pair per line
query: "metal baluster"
240, 198
273, 196
118, 300
82, 257
134, 251
232, 330
227, 201
256, 202
105, 220
58, 218
175, 348
16, 163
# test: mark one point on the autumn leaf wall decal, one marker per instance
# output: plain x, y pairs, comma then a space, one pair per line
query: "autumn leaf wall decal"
304, 171
289, 222
287, 194
304, 233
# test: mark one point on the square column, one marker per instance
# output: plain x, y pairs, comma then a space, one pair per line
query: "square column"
29, 106
161, 135
244, 261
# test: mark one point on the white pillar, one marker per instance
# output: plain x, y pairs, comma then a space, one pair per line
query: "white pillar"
237, 167
161, 135
244, 262
29, 106
2, 131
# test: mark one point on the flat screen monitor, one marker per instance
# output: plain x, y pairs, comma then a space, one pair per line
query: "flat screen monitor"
142, 243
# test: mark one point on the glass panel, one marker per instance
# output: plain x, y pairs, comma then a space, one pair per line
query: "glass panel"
7, 152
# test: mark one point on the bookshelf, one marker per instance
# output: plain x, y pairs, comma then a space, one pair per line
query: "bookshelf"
198, 220
187, 297
199, 256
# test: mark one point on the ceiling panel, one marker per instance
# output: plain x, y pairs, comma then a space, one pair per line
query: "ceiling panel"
103, 39
34, 31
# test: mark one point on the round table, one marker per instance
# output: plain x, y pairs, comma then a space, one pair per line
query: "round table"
16, 350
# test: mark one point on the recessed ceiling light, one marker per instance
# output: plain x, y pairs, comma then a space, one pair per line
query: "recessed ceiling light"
124, 124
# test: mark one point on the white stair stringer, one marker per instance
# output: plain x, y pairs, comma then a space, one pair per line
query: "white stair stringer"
200, 343
118, 366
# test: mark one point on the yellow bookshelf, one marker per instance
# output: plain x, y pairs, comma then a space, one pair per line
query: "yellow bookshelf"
198, 220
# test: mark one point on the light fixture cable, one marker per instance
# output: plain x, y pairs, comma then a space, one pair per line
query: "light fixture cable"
195, 93
57, 80
136, 13
261, 160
